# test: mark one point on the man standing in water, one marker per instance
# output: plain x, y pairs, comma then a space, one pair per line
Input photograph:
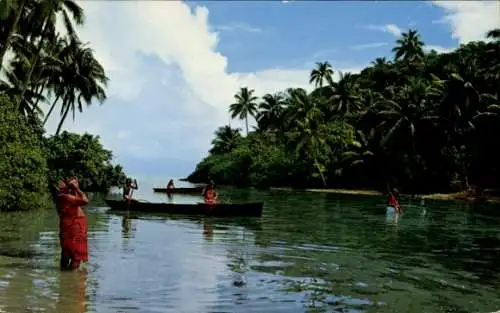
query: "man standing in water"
72, 224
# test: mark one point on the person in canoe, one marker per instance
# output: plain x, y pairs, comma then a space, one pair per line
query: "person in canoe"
209, 194
392, 201
128, 188
72, 224
170, 185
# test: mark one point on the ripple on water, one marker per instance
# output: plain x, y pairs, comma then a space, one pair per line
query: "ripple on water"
308, 253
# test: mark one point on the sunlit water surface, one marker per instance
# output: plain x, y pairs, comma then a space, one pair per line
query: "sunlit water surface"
308, 253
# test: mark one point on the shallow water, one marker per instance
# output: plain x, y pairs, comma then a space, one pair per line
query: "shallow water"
308, 253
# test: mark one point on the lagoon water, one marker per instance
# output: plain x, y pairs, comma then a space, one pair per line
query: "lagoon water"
309, 252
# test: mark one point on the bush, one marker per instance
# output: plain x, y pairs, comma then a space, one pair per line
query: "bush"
23, 166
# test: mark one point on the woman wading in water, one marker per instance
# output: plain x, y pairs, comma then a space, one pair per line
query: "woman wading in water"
72, 224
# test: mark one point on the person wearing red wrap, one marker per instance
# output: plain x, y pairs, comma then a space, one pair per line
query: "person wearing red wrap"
72, 224
209, 194
392, 201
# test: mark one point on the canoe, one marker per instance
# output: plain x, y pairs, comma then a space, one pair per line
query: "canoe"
185, 190
220, 209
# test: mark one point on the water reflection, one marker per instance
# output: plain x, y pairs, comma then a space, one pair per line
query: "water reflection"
308, 253
208, 229
128, 230
72, 292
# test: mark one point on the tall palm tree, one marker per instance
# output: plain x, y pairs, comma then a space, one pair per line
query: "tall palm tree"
409, 47
81, 79
313, 143
245, 105
323, 72
50, 10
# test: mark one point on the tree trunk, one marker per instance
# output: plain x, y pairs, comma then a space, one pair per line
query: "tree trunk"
50, 111
37, 55
246, 121
11, 31
320, 172
61, 122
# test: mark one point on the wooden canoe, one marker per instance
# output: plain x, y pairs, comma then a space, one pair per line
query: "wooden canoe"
220, 209
184, 190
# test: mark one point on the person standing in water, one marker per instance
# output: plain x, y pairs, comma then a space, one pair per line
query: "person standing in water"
72, 224
170, 185
209, 194
392, 201
127, 189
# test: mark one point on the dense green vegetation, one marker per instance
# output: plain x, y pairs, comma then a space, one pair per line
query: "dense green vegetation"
424, 122
44, 68
82, 156
23, 183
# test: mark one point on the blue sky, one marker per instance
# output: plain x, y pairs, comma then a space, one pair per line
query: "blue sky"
175, 66
297, 33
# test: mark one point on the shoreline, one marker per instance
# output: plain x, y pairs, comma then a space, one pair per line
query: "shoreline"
355, 192
456, 197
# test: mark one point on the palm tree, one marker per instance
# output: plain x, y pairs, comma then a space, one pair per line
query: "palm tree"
13, 11
345, 97
270, 111
244, 106
301, 106
411, 109
361, 148
409, 47
225, 140
49, 11
12, 86
323, 72
82, 79
313, 143
380, 62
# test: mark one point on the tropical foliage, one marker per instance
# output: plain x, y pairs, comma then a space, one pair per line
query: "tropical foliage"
23, 183
43, 69
82, 156
424, 122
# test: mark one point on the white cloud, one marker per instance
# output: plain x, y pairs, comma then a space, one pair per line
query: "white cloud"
238, 27
387, 28
170, 88
470, 20
369, 45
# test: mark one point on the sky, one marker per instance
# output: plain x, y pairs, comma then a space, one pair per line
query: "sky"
174, 66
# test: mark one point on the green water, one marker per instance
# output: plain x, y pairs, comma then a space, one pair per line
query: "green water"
308, 253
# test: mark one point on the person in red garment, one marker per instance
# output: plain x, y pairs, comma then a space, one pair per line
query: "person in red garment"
170, 185
72, 224
392, 201
209, 194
